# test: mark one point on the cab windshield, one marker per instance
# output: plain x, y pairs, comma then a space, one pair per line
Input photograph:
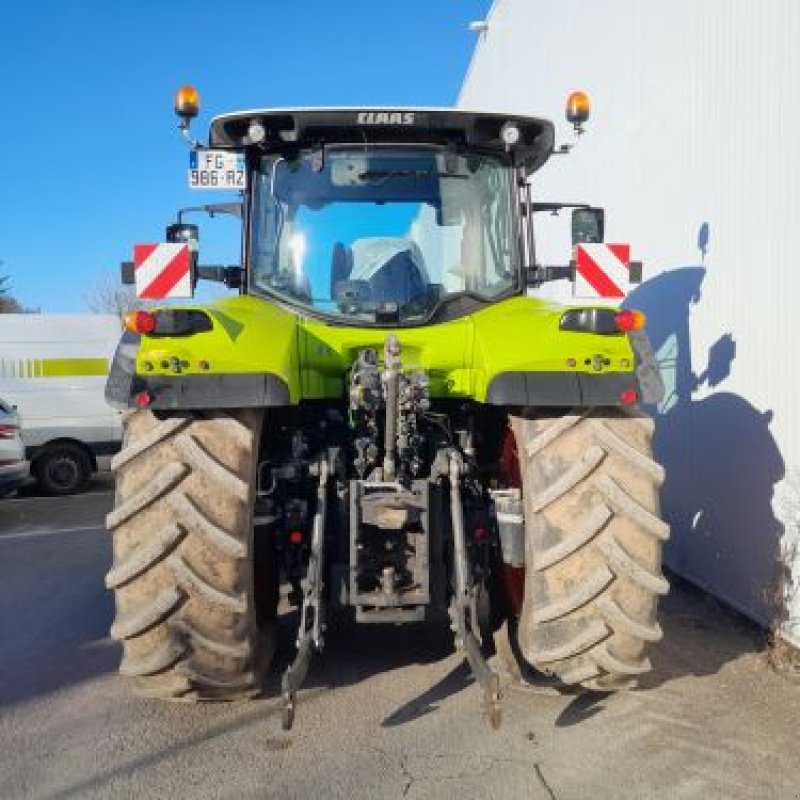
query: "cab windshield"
383, 233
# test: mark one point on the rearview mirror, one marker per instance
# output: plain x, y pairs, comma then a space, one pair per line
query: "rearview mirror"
184, 233
588, 225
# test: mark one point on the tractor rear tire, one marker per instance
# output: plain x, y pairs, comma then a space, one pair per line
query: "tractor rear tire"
593, 542
182, 575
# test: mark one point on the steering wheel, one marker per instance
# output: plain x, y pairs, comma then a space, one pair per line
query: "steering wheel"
421, 303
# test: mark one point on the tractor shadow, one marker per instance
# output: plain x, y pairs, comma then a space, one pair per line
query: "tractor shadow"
701, 635
458, 679
354, 653
55, 614
722, 466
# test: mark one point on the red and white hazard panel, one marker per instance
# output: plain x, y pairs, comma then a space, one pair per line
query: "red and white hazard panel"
161, 271
605, 271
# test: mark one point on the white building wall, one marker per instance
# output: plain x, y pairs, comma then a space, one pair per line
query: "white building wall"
693, 150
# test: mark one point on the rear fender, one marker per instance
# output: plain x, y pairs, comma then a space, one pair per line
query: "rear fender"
248, 359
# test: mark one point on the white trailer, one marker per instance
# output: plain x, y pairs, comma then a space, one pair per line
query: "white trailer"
54, 370
691, 149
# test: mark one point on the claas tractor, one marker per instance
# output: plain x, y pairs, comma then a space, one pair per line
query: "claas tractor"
382, 421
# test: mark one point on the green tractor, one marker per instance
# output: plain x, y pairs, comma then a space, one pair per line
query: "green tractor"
382, 416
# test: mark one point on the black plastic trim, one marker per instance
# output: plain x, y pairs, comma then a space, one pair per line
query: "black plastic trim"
590, 320
534, 389
559, 389
213, 391
123, 367
248, 390
299, 128
180, 322
606, 390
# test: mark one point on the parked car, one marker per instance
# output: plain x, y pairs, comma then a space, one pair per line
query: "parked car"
13, 466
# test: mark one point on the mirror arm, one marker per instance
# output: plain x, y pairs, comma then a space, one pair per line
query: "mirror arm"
234, 209
566, 148
538, 274
231, 276
555, 207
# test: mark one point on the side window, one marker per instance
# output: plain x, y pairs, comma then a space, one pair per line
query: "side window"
265, 220
496, 227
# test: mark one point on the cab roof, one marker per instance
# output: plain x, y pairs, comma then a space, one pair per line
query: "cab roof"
294, 128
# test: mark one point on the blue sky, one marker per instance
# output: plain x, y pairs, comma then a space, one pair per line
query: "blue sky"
91, 160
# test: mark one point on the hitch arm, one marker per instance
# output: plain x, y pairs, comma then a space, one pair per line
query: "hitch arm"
312, 625
231, 276
463, 610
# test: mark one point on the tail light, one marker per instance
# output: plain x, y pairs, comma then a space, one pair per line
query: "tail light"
8, 431
143, 399
140, 322
480, 534
630, 320
169, 322
602, 320
296, 537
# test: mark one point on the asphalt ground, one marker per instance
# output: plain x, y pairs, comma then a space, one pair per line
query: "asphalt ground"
386, 712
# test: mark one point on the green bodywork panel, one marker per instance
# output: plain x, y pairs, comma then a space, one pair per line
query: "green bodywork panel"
312, 357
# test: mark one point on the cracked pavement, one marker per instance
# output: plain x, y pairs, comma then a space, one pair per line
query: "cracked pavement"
386, 712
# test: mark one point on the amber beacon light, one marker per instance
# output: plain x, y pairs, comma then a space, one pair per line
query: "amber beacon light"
187, 103
579, 107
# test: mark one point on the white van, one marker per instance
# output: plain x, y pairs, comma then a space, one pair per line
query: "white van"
53, 368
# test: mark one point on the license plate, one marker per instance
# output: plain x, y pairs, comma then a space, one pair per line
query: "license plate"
216, 169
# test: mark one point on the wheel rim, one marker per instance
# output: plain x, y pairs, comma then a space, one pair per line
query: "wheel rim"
63, 472
511, 579
508, 461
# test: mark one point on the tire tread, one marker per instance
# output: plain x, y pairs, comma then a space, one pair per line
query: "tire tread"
593, 545
183, 566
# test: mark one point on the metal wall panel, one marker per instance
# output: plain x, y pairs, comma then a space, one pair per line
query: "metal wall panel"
692, 149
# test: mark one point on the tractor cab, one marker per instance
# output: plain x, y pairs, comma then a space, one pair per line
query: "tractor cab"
387, 218
384, 217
